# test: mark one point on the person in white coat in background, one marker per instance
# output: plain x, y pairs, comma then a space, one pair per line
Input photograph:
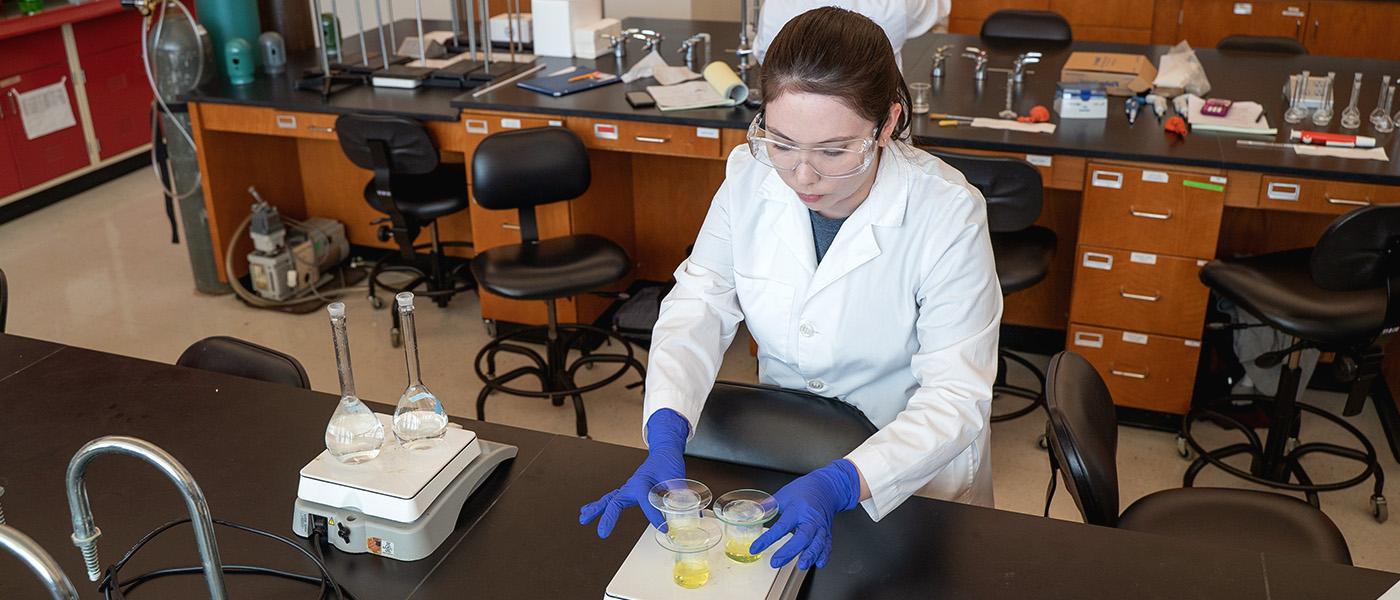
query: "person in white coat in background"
862, 267
902, 20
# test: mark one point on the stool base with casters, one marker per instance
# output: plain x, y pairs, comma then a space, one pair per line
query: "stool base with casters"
555, 372
1035, 396
441, 283
1275, 461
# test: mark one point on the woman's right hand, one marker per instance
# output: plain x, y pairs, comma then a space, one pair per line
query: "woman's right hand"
666, 431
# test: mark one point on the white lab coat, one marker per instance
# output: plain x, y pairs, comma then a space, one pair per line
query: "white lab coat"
902, 20
900, 319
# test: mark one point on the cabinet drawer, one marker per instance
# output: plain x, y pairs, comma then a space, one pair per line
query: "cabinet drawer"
648, 138
1322, 196
1145, 292
1158, 211
268, 121
480, 125
1152, 372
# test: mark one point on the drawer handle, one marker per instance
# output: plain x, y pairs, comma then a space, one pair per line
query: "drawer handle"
1143, 297
651, 140
1345, 202
1128, 374
318, 129
510, 226
1142, 214
1287, 192
286, 121
1108, 179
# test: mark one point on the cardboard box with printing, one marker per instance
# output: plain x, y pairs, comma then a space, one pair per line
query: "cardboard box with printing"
1121, 74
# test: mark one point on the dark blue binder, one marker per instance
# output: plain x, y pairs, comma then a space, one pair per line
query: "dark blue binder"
559, 85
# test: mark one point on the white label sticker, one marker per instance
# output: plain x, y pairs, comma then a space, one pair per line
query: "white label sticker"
1218, 179
1294, 11
1143, 258
1135, 338
1156, 176
553, 123
1088, 340
1094, 260
1244, 8
707, 132
510, 123
477, 126
286, 121
1192, 344
1040, 160
605, 131
1200, 263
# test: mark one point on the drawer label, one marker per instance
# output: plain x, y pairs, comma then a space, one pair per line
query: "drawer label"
553, 123
1107, 179
287, 121
1135, 338
1218, 179
477, 126
1094, 260
1244, 8
1192, 344
1156, 176
1201, 185
707, 132
605, 131
1143, 258
1294, 11
510, 123
1088, 340
1040, 160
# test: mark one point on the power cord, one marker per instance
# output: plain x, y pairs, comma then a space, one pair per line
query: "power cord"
113, 588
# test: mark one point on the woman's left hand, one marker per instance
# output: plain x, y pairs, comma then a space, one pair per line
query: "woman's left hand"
808, 506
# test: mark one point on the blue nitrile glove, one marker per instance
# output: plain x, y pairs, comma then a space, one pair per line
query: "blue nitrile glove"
809, 503
666, 434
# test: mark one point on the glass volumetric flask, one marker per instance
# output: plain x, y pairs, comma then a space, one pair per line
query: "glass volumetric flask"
419, 419
1351, 116
1323, 115
1379, 111
354, 434
1296, 113
1384, 124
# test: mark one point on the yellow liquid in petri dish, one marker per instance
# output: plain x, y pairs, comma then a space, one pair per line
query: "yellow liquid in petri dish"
691, 574
738, 550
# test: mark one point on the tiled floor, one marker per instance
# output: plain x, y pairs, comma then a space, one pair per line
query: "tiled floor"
98, 271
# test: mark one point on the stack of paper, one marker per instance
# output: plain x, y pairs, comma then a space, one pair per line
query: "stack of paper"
720, 87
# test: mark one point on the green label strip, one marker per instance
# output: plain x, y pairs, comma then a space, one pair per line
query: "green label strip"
1203, 185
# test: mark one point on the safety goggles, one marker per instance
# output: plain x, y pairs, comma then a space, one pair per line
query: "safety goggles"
833, 160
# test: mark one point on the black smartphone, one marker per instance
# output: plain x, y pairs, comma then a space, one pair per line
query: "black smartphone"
640, 99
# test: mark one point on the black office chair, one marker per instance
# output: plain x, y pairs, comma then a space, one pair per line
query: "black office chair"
1083, 434
1023, 250
1027, 25
1262, 43
4, 300
1335, 297
776, 428
519, 170
232, 356
414, 189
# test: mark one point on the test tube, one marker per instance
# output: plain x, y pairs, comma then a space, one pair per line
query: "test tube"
1351, 116
1323, 115
744, 512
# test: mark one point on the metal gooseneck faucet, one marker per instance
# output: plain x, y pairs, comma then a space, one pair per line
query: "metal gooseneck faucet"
85, 533
39, 562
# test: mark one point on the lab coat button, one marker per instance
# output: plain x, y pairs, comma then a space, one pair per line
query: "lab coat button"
816, 385
806, 329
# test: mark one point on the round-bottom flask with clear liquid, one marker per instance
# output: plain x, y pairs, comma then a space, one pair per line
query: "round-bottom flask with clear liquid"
419, 419
354, 434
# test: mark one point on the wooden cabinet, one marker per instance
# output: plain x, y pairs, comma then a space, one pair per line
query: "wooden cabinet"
1203, 23
966, 16
648, 138
1137, 290
1149, 210
1353, 28
1125, 22
1146, 371
1298, 194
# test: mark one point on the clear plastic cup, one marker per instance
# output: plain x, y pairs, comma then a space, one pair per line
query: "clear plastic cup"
691, 546
680, 501
918, 97
744, 512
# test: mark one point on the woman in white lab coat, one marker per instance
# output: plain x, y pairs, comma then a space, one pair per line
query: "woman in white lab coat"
897, 313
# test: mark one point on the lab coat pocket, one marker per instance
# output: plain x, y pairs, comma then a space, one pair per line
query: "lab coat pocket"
767, 307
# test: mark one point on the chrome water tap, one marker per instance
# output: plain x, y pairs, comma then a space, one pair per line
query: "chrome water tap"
85, 532
1018, 67
940, 59
980, 56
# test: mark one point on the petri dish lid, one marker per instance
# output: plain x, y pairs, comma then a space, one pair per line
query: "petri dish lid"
746, 507
698, 535
679, 495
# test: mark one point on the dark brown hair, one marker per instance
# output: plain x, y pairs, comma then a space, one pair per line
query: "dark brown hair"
835, 52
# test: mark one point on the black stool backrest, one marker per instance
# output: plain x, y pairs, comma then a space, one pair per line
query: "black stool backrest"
1083, 436
4, 300
529, 167
233, 356
1027, 25
1361, 250
776, 428
1262, 43
1012, 187
407, 148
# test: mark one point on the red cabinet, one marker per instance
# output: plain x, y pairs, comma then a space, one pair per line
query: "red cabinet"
9, 176
119, 99
49, 156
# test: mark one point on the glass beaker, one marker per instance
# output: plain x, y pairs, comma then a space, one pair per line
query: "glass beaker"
419, 419
691, 546
744, 512
918, 98
354, 434
680, 501
1351, 116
